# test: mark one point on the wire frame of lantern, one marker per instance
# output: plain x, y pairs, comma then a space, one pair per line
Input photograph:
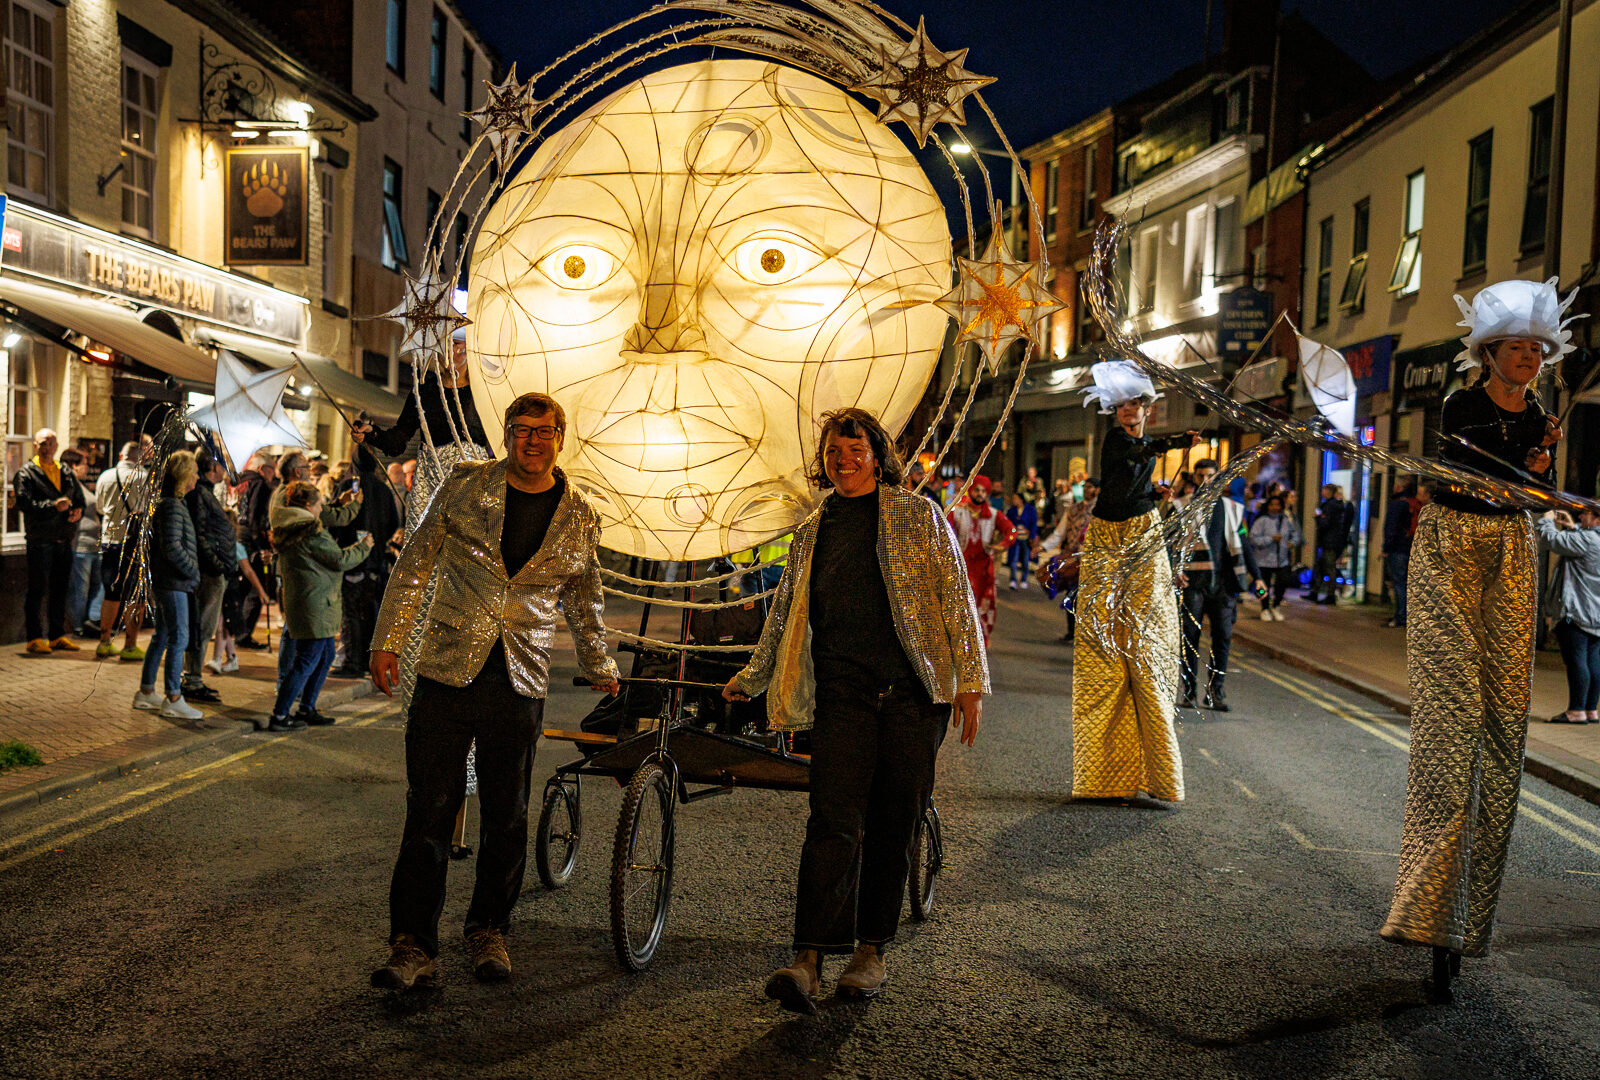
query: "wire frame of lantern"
700, 261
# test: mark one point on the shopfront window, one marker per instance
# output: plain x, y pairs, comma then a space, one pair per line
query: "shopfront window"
30, 98
138, 145
27, 407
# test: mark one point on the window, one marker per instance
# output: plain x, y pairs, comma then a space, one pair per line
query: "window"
436, 39
1353, 296
1052, 198
1475, 242
138, 145
433, 227
1089, 205
26, 412
1194, 252
394, 231
1234, 114
466, 87
1541, 129
461, 248
375, 367
30, 98
326, 192
1406, 277
1226, 245
1324, 269
1086, 323
394, 41
1145, 270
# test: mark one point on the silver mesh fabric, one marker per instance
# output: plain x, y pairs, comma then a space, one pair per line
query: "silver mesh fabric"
1469, 651
1123, 740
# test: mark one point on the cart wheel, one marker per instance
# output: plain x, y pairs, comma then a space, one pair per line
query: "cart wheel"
560, 829
927, 857
641, 867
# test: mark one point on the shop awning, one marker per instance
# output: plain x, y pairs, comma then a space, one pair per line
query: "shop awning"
112, 325
346, 389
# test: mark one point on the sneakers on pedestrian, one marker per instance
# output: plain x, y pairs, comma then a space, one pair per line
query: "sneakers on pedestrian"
181, 710
1012, 585
148, 700
213, 666
248, 643
866, 974
407, 966
1277, 614
1266, 614
132, 652
39, 646
285, 723
104, 649
490, 961
230, 665
89, 630
1216, 700
64, 644
795, 987
1024, 585
199, 691
314, 718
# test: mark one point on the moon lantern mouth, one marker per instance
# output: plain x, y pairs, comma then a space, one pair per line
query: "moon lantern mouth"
658, 418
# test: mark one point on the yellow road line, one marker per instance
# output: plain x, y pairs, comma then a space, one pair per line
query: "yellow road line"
1301, 839
1207, 755
1241, 787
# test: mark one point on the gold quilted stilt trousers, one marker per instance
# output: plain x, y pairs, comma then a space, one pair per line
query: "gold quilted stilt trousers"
1469, 651
1123, 741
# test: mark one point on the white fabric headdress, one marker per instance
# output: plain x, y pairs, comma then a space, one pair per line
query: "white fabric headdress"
1117, 381
1515, 309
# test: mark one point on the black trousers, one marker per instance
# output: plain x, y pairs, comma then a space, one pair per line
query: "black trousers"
361, 600
440, 728
250, 606
1201, 600
1325, 577
873, 751
1277, 579
49, 579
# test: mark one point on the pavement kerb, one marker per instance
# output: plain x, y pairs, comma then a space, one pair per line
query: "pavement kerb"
49, 789
1557, 768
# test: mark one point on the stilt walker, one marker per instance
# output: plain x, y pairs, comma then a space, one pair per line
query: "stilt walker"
1469, 643
1125, 667
980, 530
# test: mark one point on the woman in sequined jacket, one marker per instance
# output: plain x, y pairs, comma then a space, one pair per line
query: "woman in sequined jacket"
872, 637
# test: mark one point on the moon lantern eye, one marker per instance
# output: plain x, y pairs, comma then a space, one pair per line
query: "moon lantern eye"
578, 266
773, 260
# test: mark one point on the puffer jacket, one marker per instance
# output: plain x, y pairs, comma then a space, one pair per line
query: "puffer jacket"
174, 550
215, 535
311, 566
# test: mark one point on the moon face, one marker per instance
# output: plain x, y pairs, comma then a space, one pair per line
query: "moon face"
698, 268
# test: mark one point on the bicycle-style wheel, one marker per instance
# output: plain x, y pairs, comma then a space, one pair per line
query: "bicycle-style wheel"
927, 858
555, 849
641, 867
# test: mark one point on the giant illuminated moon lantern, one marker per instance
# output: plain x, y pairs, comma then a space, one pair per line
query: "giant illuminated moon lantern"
698, 268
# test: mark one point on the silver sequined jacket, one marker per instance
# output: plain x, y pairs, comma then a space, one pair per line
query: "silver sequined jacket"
474, 603
935, 615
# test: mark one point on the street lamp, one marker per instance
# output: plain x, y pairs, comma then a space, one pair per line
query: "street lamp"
966, 148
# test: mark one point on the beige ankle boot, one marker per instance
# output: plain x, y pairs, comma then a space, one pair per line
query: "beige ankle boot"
866, 974
796, 986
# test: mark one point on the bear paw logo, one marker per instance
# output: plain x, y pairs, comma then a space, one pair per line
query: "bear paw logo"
264, 189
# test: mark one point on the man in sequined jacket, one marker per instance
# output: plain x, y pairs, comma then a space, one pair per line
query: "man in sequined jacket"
506, 543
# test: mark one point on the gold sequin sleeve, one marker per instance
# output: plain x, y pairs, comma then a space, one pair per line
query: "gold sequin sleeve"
757, 674
969, 658
583, 606
406, 594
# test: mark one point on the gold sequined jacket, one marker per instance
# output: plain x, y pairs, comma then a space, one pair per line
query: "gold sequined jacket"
474, 603
935, 615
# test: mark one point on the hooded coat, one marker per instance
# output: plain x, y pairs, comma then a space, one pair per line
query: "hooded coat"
311, 566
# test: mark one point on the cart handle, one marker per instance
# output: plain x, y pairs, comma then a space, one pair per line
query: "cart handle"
579, 680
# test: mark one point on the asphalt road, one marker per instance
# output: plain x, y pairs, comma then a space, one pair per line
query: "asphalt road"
218, 917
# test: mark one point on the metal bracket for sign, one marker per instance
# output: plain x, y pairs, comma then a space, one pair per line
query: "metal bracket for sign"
234, 90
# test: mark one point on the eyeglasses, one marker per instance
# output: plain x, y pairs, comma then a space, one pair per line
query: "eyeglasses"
547, 432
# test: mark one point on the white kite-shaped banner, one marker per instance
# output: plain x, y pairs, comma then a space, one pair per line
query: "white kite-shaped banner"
247, 412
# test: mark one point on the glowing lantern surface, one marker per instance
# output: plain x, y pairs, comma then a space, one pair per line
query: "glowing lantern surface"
698, 268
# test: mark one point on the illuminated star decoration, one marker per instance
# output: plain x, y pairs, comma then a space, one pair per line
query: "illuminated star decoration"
998, 301
505, 115
428, 317
921, 85
247, 411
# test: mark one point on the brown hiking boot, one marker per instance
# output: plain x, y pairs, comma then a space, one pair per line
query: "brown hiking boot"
796, 986
407, 966
865, 976
490, 961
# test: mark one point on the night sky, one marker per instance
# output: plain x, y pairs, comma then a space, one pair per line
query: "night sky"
1057, 60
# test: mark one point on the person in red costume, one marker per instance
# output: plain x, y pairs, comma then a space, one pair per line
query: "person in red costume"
981, 531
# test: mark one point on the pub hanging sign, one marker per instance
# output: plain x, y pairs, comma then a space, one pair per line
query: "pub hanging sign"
267, 206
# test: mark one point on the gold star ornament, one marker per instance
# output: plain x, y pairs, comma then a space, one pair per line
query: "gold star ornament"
427, 315
922, 86
506, 116
998, 300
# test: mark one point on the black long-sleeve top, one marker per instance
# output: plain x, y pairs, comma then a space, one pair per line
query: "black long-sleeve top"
1126, 465
1474, 416
435, 400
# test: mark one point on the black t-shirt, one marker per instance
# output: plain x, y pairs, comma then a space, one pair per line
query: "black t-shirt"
1474, 416
852, 628
527, 520
1126, 466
